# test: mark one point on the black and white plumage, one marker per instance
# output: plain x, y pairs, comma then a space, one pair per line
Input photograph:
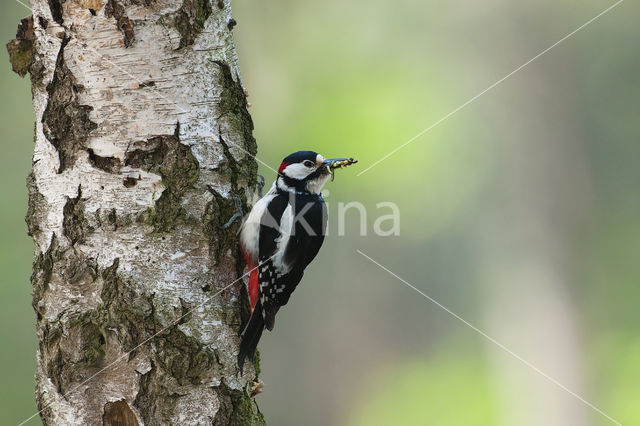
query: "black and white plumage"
280, 237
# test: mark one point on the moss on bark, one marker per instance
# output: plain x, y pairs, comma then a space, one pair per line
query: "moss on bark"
20, 49
238, 409
74, 225
190, 19
234, 115
179, 169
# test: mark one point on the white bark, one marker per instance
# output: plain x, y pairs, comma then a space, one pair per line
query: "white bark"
141, 136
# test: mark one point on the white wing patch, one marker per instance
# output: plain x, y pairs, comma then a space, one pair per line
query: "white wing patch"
286, 229
250, 232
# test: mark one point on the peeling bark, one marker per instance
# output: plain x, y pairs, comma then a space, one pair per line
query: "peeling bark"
21, 48
141, 141
66, 123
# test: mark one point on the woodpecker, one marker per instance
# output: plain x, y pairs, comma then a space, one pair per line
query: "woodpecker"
281, 236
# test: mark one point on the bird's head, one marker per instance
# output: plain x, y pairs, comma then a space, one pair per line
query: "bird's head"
308, 171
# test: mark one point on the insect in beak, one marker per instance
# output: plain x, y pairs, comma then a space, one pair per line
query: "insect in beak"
336, 163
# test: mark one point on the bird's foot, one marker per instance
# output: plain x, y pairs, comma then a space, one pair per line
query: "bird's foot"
260, 185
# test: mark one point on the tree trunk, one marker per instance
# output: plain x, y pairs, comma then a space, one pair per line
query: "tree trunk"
142, 138
528, 246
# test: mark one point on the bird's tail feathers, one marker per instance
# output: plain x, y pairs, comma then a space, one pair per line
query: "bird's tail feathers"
251, 336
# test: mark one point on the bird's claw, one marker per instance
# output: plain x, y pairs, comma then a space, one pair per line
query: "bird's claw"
260, 185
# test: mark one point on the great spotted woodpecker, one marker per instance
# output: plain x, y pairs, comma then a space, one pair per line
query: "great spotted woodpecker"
281, 236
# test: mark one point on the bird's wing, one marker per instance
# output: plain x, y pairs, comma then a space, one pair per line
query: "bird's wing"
286, 251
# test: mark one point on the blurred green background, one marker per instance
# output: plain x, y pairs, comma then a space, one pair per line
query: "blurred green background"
520, 213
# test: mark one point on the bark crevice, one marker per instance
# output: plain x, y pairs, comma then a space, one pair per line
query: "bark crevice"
106, 164
66, 122
55, 6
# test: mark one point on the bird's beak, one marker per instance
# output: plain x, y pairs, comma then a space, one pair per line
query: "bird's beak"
331, 164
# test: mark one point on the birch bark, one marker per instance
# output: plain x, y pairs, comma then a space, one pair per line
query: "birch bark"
142, 137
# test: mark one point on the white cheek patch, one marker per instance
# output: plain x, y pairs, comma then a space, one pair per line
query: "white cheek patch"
298, 171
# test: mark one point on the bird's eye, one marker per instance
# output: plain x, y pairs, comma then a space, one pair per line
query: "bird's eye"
308, 163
